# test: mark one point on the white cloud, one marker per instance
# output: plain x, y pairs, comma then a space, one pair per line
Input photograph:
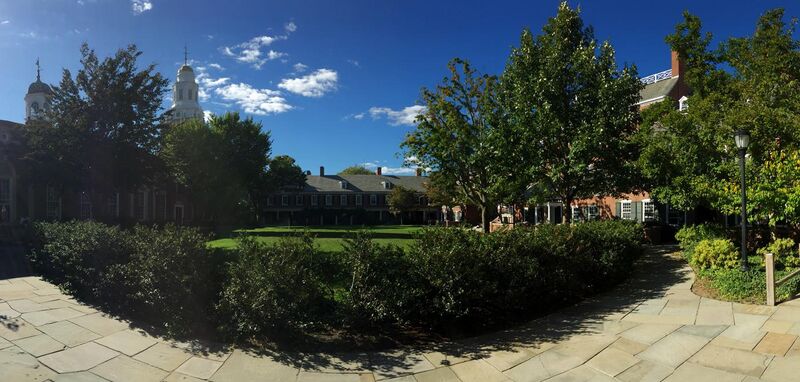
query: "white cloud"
315, 84
216, 66
386, 170
359, 116
290, 27
141, 6
4, 22
299, 67
213, 82
354, 63
254, 101
406, 116
251, 51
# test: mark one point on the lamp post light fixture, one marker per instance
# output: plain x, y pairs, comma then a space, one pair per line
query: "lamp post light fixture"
742, 139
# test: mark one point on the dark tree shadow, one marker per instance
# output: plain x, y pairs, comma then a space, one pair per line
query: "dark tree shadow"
654, 273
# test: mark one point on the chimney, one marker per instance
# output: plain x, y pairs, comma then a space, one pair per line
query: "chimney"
321, 170
419, 171
678, 66
379, 170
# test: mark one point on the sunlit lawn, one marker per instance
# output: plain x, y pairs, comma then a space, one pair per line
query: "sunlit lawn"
328, 238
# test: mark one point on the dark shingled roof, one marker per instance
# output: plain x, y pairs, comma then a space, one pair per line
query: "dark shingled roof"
362, 183
657, 89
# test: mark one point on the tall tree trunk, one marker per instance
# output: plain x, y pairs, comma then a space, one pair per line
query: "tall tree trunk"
484, 220
566, 211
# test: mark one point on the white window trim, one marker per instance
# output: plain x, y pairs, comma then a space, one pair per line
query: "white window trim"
576, 213
343, 198
284, 200
359, 199
314, 200
373, 200
328, 200
622, 210
683, 103
298, 200
645, 203
592, 215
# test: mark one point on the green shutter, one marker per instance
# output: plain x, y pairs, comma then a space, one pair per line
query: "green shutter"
636, 210
618, 214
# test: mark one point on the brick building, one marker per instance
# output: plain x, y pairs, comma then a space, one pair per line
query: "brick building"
664, 85
21, 201
348, 200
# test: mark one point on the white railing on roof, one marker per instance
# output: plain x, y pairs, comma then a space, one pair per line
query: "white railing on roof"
653, 78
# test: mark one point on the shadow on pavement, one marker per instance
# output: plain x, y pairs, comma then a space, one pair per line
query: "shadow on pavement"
653, 276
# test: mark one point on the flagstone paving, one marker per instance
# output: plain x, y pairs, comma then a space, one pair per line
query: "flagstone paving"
653, 328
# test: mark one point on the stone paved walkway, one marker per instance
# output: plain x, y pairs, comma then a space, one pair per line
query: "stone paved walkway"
653, 328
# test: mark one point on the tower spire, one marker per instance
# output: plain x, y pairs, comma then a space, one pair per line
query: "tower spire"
38, 70
185, 55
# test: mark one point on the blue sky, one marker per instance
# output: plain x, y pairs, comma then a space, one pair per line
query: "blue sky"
335, 81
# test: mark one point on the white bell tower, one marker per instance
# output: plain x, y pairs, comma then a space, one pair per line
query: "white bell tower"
38, 97
185, 104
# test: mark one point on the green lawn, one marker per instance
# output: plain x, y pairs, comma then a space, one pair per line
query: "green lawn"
329, 238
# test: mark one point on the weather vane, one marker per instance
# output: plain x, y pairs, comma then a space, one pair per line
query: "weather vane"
185, 55
38, 70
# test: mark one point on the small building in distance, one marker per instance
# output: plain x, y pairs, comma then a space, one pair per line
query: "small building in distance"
348, 200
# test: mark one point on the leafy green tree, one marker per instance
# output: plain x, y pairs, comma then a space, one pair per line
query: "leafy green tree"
193, 155
690, 157
283, 172
245, 149
401, 200
460, 137
224, 164
355, 170
102, 127
571, 113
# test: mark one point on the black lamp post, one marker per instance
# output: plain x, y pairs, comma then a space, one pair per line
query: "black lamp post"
742, 139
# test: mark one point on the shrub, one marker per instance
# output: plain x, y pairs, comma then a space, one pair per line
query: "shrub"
785, 252
77, 255
689, 236
380, 286
171, 275
715, 254
734, 284
271, 289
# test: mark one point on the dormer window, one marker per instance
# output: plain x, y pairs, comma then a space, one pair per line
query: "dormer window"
683, 103
386, 185
343, 184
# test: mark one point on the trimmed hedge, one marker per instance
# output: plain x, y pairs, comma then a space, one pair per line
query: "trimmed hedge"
166, 277
447, 278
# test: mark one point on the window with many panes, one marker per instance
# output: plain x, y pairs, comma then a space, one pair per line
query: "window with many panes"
284, 200
314, 200
112, 203
298, 200
593, 213
328, 200
576, 214
342, 200
626, 211
53, 204
358, 200
373, 200
139, 205
648, 211
85, 206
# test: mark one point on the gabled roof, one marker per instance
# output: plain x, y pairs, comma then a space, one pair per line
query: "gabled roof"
362, 183
657, 90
